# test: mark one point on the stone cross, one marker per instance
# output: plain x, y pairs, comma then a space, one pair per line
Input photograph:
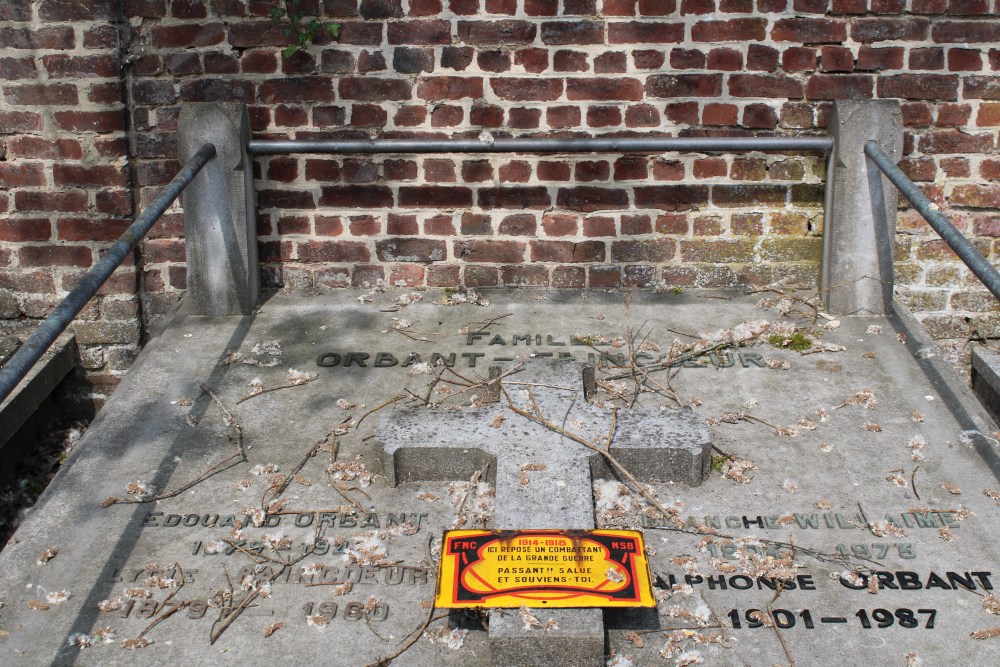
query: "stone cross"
417, 444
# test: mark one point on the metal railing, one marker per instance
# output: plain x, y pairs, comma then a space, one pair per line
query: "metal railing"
32, 350
962, 247
490, 144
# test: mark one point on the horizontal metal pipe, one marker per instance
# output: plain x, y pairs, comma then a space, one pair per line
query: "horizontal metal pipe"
28, 354
967, 252
546, 145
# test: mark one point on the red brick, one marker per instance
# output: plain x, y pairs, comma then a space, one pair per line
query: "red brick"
635, 225
64, 174
50, 255
976, 196
37, 147
572, 32
286, 199
631, 168
720, 114
927, 59
501, 6
357, 88
23, 174
648, 59
956, 167
599, 88
687, 59
839, 86
953, 115
560, 224
439, 170
443, 275
476, 224
76, 10
981, 87
871, 30
54, 37
616, 7
314, 89
411, 250
639, 276
668, 170
710, 167
989, 115
496, 32
153, 93
613, 62
964, 60
671, 197
88, 229
760, 116
798, 58
916, 114
486, 115
370, 34
813, 6
399, 225
19, 121
524, 276
599, 226
356, 196
380, 9
188, 35
657, 7
809, 30
489, 251
684, 113
493, 61
729, 60
532, 60
965, 32
33, 200
697, 6
520, 118
431, 31
919, 86
592, 170
518, 224
220, 90
562, 116
929, 6
645, 32
604, 276
20, 230
447, 116
434, 196
836, 59
565, 60
954, 141
553, 171
764, 85
642, 115
447, 88
516, 171
330, 251
456, 58
514, 197
533, 89
604, 116
684, 85
643, 250
61, 66
877, 59
569, 277
586, 199
762, 58
40, 94
540, 8
733, 30
16, 10
18, 68
567, 251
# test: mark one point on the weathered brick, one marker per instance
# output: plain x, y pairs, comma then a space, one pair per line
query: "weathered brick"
320, 89
490, 251
560, 224
604, 88
41, 94
381, 9
729, 60
19, 121
53, 255
449, 88
839, 86
966, 32
514, 197
836, 59
286, 199
645, 32
90, 229
586, 198
432, 31
871, 30
44, 149
926, 59
643, 250
567, 251
743, 195
21, 230
710, 167
60, 66
218, 90
411, 250
612, 62
434, 196
919, 86
493, 61
66, 174
328, 251
954, 141
572, 32
16, 10
688, 59
521, 90
877, 59
964, 60
565, 60
671, 197
791, 249
733, 30
497, 32
52, 37
720, 114
762, 58
188, 35
760, 116
34, 200
521, 118
524, 276
76, 10
764, 85
518, 224
18, 68
981, 87
717, 250
356, 196
684, 85
976, 196
810, 30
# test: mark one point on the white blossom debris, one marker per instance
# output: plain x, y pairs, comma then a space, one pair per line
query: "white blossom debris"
297, 377
736, 469
344, 404
864, 396
896, 479
133, 644
353, 471
791, 486
870, 426
777, 364
617, 660
529, 619
261, 469
141, 490
429, 496
405, 300
612, 574
57, 597
917, 444
454, 638
688, 658
318, 620
111, 605
422, 368
271, 348
874, 329
399, 324
991, 604
46, 556
825, 447
916, 416
914, 660
457, 298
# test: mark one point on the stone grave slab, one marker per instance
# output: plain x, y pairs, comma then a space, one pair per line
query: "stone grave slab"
872, 459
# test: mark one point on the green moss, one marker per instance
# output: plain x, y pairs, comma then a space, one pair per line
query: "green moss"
677, 290
717, 463
798, 341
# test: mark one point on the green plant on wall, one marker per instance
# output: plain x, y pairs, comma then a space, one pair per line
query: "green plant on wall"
300, 27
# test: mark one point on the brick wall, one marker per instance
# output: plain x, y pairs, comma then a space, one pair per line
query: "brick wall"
512, 68
64, 182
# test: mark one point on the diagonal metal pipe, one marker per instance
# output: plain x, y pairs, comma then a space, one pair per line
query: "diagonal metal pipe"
32, 350
962, 247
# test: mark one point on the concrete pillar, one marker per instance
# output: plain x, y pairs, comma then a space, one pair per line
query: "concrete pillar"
220, 229
860, 228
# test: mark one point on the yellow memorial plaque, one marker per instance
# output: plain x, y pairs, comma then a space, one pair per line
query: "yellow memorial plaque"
544, 568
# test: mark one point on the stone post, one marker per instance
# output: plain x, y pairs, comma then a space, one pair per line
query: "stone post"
859, 236
219, 222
